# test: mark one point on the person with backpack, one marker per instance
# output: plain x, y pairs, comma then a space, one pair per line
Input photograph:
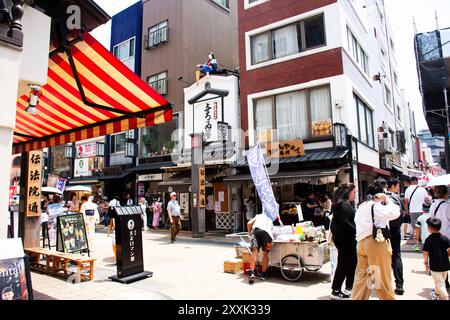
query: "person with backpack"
441, 209
414, 198
393, 186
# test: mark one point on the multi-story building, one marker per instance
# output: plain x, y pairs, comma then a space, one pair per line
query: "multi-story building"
163, 41
436, 145
306, 67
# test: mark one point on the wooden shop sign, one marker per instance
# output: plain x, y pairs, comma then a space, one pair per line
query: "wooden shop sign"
202, 187
286, 149
34, 183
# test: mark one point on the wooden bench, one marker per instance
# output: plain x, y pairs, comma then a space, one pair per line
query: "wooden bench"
56, 262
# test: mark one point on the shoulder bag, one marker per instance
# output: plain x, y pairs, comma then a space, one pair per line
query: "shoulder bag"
379, 234
435, 211
410, 198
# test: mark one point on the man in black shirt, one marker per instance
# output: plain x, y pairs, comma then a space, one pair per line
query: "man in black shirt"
436, 252
393, 186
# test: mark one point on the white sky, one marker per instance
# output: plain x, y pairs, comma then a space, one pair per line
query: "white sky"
400, 14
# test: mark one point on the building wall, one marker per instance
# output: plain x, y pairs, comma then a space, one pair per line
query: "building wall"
308, 66
196, 27
128, 24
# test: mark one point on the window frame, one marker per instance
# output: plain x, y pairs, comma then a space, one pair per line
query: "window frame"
301, 39
114, 153
310, 137
166, 72
158, 29
129, 47
367, 110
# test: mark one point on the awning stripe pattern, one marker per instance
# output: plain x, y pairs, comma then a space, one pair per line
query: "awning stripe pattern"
62, 115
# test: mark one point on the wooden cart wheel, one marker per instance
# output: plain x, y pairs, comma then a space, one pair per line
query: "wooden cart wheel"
291, 268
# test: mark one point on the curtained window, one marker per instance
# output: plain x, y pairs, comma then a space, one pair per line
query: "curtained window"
263, 120
285, 41
295, 115
292, 116
261, 48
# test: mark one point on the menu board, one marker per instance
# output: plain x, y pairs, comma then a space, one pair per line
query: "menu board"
72, 233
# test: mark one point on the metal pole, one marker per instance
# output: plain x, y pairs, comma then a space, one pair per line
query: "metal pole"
447, 145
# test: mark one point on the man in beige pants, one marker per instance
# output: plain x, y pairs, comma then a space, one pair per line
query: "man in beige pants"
374, 258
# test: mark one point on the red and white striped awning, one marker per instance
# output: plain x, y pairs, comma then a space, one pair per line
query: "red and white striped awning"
118, 100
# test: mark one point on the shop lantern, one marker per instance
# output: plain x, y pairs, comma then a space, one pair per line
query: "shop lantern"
340, 135
100, 149
130, 149
130, 135
69, 152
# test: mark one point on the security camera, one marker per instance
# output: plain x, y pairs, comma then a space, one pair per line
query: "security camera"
33, 100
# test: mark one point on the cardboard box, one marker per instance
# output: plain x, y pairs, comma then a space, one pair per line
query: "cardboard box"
246, 256
233, 266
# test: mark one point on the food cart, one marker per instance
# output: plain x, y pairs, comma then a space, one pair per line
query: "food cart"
292, 253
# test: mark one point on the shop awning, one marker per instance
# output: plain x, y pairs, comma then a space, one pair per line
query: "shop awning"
89, 93
366, 168
310, 155
325, 175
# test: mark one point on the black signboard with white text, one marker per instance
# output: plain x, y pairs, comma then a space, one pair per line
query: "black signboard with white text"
129, 252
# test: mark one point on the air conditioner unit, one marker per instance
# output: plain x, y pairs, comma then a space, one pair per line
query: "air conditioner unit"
386, 163
385, 145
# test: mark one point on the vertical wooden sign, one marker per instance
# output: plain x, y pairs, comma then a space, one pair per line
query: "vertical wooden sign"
202, 188
34, 183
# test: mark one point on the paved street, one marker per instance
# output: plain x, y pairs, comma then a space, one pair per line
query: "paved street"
192, 269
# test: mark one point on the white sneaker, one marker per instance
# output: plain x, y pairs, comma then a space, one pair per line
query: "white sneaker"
347, 292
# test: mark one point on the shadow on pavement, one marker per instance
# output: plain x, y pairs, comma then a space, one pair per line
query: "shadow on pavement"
41, 296
306, 280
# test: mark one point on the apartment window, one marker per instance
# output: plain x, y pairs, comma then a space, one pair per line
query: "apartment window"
365, 122
159, 140
295, 115
157, 35
159, 82
223, 3
125, 52
357, 51
388, 96
288, 40
399, 113
117, 143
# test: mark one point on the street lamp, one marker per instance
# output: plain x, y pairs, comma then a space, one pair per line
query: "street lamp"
340, 135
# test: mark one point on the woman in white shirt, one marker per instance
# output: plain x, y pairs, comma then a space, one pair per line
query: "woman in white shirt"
374, 257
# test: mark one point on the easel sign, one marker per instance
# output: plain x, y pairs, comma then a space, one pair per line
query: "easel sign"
15, 278
72, 236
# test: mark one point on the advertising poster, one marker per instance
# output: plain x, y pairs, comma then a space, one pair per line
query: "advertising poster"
15, 281
54, 210
72, 233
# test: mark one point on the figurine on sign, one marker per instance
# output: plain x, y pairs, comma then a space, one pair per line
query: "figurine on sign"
210, 67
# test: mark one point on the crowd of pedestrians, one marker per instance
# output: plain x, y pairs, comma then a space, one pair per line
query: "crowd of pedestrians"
368, 238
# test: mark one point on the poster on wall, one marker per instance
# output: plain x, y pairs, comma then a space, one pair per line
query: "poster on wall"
72, 233
81, 167
15, 279
184, 203
86, 150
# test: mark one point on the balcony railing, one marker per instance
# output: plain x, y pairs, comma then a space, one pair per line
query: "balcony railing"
11, 23
155, 38
160, 86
